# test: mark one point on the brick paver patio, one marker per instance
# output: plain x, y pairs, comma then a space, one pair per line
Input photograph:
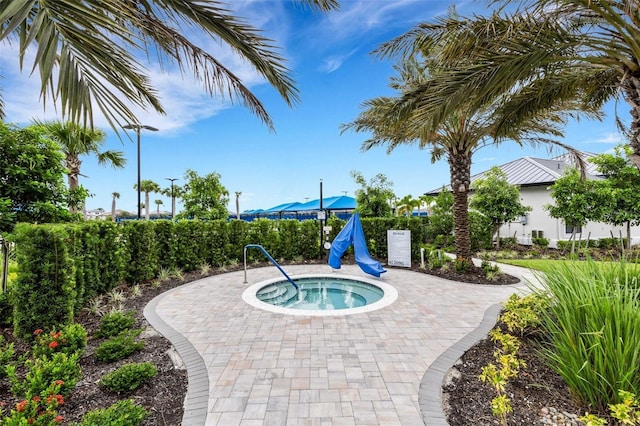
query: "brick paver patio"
248, 366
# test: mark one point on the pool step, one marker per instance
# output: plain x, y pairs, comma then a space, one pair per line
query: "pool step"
278, 295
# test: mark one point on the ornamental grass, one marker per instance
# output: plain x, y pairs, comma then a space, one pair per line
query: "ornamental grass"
593, 326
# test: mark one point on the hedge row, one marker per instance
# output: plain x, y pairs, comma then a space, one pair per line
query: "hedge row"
60, 267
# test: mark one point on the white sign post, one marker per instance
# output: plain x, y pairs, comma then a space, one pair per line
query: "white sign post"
399, 247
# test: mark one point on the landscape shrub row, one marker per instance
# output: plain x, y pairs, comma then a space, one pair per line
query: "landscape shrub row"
63, 266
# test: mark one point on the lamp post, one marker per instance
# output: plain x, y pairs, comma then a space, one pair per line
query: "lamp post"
173, 198
138, 128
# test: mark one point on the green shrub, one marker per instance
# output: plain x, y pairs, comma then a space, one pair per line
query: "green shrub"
119, 347
142, 252
592, 327
44, 293
37, 410
524, 314
6, 310
44, 372
122, 413
70, 339
115, 323
7, 353
540, 242
128, 377
508, 242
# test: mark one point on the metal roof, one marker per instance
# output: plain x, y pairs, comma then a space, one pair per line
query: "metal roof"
529, 171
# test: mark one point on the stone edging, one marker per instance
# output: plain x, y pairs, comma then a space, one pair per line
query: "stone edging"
430, 393
197, 400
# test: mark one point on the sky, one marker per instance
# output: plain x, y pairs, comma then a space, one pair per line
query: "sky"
330, 59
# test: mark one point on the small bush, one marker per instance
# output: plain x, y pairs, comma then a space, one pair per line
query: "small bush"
119, 347
508, 242
59, 369
523, 314
122, 413
129, 377
37, 410
7, 353
540, 242
115, 323
462, 265
70, 339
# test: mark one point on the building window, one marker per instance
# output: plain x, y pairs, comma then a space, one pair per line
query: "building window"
569, 229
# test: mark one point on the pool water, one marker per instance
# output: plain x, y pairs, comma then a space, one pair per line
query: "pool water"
320, 293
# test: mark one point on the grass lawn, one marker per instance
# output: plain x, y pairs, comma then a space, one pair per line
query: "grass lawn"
548, 265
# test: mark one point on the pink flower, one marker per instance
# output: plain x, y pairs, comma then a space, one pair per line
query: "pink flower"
53, 345
58, 419
38, 331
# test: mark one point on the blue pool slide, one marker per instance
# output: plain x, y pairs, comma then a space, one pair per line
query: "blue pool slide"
352, 233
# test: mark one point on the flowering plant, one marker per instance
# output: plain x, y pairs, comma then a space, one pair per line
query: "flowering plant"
70, 339
38, 410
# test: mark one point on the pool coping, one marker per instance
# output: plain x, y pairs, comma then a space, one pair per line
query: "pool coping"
430, 391
390, 296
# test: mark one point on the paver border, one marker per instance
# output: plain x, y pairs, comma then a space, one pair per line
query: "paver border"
197, 399
430, 392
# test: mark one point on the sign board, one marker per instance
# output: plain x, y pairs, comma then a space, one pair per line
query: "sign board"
322, 215
399, 247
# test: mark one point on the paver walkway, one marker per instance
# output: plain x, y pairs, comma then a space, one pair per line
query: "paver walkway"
270, 369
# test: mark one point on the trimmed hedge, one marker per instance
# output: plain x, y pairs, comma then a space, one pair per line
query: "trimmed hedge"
63, 266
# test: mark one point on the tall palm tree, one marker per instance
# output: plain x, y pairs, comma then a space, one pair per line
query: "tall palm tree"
147, 186
569, 49
113, 205
394, 121
75, 142
87, 54
158, 204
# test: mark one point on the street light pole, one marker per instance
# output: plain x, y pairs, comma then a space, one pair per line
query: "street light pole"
138, 128
173, 198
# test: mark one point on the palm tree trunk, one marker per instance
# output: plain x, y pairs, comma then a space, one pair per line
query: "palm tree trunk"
113, 209
146, 206
631, 87
460, 168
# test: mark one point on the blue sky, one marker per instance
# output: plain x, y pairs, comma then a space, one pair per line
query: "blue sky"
329, 55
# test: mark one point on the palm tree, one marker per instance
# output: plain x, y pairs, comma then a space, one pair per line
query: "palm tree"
113, 205
158, 204
87, 54
147, 186
76, 141
406, 205
569, 49
399, 120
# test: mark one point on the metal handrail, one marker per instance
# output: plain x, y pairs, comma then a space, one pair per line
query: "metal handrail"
258, 246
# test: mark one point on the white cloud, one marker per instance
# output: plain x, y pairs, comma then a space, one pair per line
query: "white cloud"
183, 97
612, 138
334, 62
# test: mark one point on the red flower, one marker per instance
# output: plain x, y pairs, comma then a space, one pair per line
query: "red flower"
58, 419
59, 382
36, 398
38, 331
55, 335
59, 399
53, 345
20, 406
30, 420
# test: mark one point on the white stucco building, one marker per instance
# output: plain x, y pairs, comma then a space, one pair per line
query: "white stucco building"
534, 176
